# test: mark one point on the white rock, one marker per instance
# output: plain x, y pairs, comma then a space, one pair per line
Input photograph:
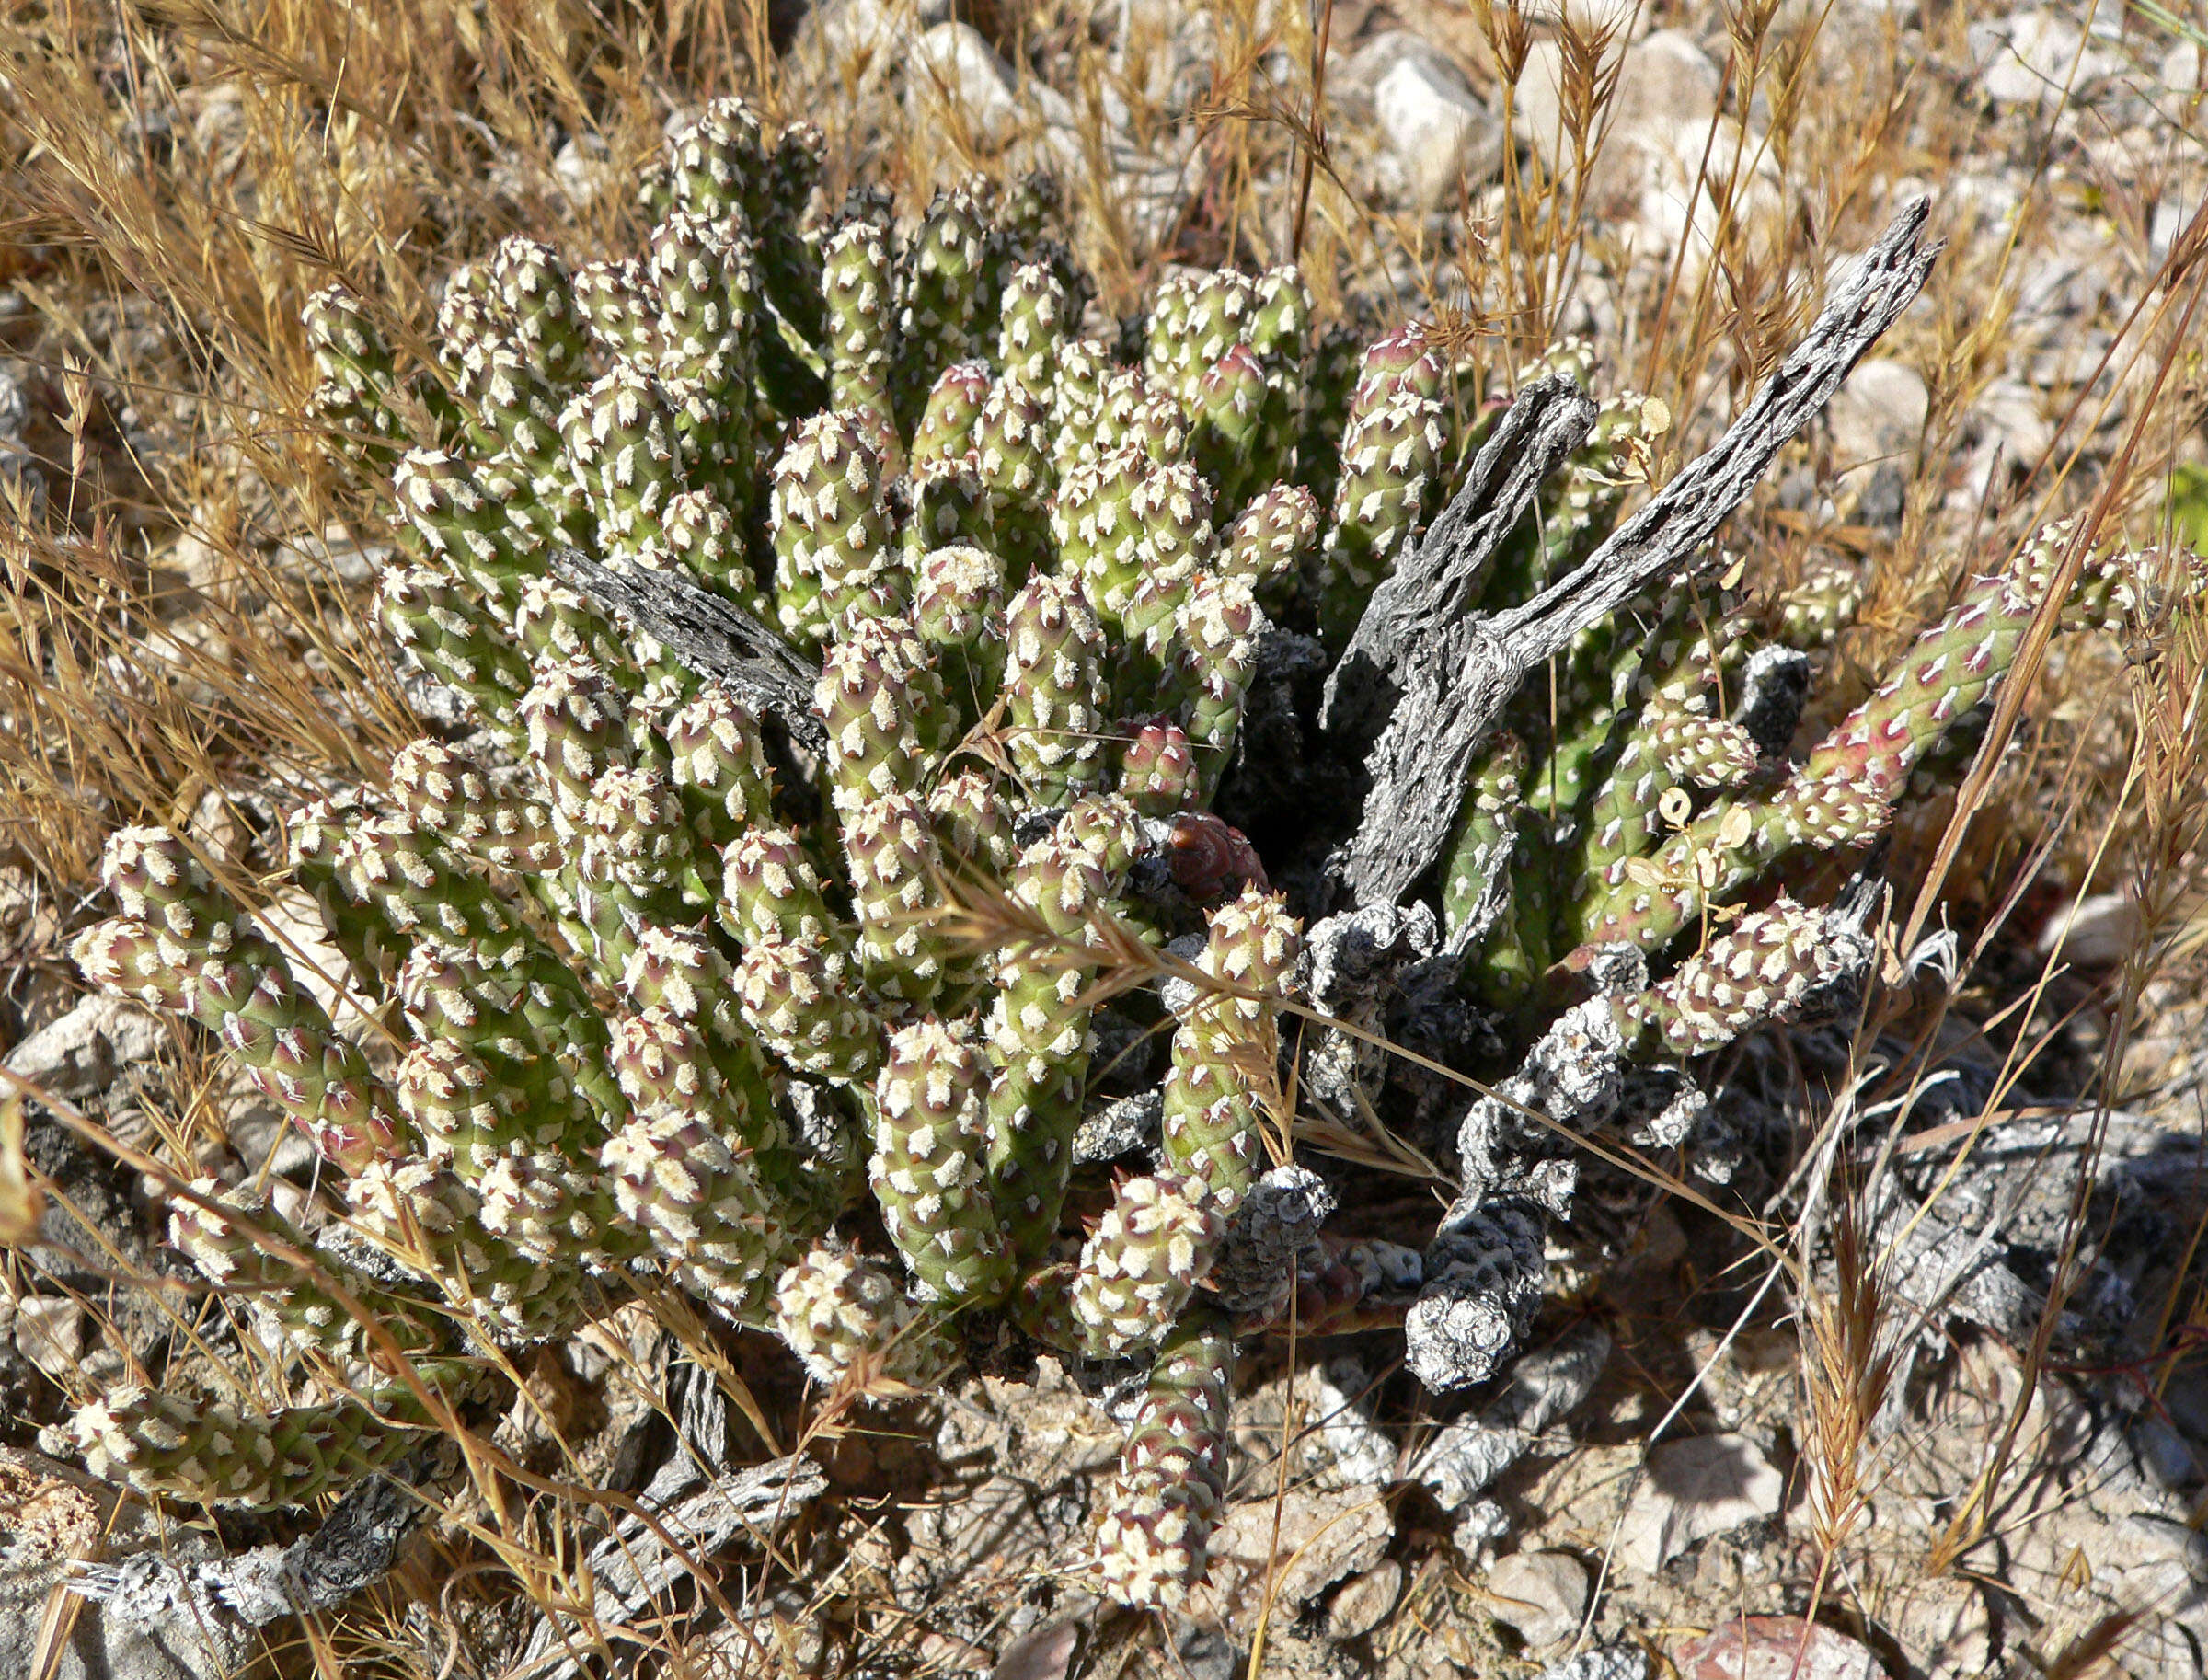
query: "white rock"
1693, 1489
1880, 413
954, 66
1542, 1594
584, 169
2014, 414
1437, 133
1623, 19
2181, 71
855, 35
2034, 58
83, 1050
2096, 932
49, 1332
1666, 79
1364, 1603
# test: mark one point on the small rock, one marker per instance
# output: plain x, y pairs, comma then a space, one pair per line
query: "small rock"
2035, 59
1438, 133
584, 169
1044, 1654
1478, 1529
2096, 932
1878, 413
1775, 1648
2181, 71
82, 1051
1364, 1603
14, 403
1693, 1489
335, 555
957, 63
1320, 1537
49, 1332
2012, 414
1604, 1662
1542, 1594
1665, 79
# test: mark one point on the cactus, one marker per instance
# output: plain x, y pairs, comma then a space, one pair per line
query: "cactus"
679, 1003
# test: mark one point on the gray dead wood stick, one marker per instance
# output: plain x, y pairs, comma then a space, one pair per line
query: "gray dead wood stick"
708, 634
1438, 579
1456, 674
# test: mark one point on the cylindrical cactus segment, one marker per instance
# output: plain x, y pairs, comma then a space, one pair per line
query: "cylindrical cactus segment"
577, 724
717, 759
212, 1452
454, 642
700, 1201
1012, 457
1037, 316
1159, 772
1271, 536
1039, 1036
1215, 661
452, 794
1054, 691
896, 870
844, 1315
945, 433
237, 985
538, 293
1158, 1513
1143, 1262
1479, 853
1813, 613
940, 309
802, 999
1098, 539
882, 701
770, 888
1388, 454
973, 822
1843, 796
830, 531
959, 611
464, 518
1226, 1046
929, 1166
857, 283
1760, 970
614, 297
1077, 402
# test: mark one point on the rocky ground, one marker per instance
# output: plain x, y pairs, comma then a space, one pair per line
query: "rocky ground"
1639, 1490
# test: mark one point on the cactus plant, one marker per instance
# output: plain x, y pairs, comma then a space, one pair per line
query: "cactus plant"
682, 1002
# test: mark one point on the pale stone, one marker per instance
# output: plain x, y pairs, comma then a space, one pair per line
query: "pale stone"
49, 1332
1438, 136
1692, 1489
1542, 1594
1364, 1603
2096, 932
2036, 59
1879, 414
956, 66
83, 1050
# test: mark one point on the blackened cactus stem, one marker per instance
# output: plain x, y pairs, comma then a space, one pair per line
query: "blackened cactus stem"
1158, 1515
929, 1163
1054, 691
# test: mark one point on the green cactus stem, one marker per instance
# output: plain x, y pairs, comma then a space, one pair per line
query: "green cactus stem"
1158, 1513
929, 1163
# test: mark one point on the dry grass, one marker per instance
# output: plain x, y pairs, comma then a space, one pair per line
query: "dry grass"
179, 177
